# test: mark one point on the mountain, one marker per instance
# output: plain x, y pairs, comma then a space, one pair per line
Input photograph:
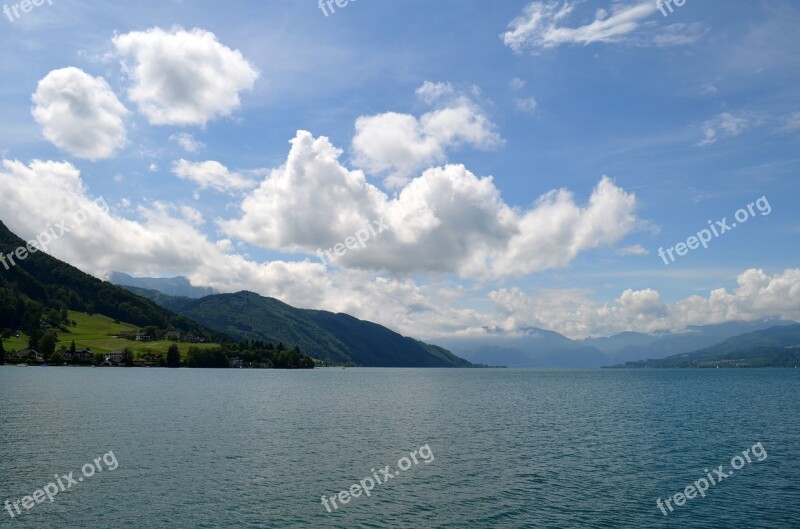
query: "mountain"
172, 286
534, 348
540, 348
41, 286
320, 334
634, 346
777, 346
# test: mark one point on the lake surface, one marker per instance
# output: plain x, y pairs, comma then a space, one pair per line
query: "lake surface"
511, 448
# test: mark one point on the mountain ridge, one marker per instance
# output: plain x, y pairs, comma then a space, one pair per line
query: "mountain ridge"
777, 346
339, 338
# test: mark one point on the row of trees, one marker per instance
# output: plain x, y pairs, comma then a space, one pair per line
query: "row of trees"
250, 354
256, 355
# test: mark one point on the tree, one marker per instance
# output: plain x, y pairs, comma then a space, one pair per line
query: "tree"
33, 339
2, 353
53, 317
127, 357
72, 347
47, 345
173, 356
152, 332
55, 358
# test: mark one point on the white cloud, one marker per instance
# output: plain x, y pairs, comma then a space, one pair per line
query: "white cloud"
183, 77
445, 221
187, 142
516, 83
572, 313
527, 104
401, 144
80, 114
541, 26
723, 125
431, 92
212, 175
636, 249
152, 168
159, 243
192, 215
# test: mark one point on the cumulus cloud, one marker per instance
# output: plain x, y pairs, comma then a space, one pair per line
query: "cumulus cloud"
157, 243
445, 221
187, 142
573, 313
542, 25
212, 175
80, 114
723, 125
183, 77
400, 144
163, 239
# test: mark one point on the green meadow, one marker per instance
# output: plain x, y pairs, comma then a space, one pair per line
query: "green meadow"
94, 332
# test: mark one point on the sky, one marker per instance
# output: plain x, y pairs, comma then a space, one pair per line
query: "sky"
587, 167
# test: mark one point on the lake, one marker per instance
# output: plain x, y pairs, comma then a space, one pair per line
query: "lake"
494, 448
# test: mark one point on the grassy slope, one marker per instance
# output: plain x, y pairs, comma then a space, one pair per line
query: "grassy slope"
92, 332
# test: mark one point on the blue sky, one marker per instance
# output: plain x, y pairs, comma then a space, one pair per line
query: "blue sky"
530, 157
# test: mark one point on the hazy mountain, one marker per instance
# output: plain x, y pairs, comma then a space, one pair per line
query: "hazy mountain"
633, 346
320, 334
171, 286
535, 348
777, 346
548, 349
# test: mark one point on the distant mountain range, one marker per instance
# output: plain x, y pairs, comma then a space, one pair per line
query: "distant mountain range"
324, 335
633, 346
172, 286
533, 348
540, 348
774, 347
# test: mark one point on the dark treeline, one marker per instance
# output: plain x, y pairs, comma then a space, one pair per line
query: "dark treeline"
253, 354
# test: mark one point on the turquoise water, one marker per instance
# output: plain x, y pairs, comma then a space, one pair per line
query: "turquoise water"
511, 448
